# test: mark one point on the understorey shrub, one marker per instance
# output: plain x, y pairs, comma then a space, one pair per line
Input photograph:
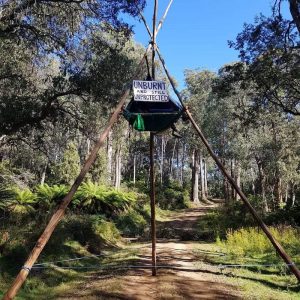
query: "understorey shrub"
253, 242
131, 223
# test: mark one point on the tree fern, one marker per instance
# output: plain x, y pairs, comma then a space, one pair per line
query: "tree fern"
48, 196
20, 201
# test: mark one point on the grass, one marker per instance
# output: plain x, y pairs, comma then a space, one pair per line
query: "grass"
255, 282
54, 281
252, 242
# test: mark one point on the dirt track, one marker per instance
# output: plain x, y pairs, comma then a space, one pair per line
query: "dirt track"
190, 279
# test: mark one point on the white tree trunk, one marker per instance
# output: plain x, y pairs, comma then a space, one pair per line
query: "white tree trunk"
182, 163
118, 167
109, 152
163, 145
171, 161
43, 177
195, 183
205, 179
134, 168
202, 178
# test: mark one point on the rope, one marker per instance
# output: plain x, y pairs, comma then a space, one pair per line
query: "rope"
170, 267
65, 260
82, 257
221, 266
118, 267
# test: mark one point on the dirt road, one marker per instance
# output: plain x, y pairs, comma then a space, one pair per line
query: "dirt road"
189, 278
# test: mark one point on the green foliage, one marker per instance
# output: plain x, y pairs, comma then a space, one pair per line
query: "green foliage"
69, 168
91, 231
172, 196
266, 51
98, 171
131, 223
216, 223
252, 241
48, 196
99, 199
20, 201
287, 215
90, 198
235, 216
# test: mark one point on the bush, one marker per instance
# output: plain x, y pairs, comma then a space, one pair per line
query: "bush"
94, 198
131, 223
49, 196
289, 215
252, 241
230, 217
20, 201
172, 196
92, 232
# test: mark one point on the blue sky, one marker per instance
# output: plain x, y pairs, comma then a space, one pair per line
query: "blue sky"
196, 32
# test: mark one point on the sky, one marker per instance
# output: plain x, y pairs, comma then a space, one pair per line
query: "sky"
196, 32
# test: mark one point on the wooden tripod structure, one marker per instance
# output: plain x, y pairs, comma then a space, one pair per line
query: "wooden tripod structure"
59, 213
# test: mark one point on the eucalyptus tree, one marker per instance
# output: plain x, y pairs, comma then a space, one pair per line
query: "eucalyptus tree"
270, 49
198, 94
39, 146
263, 139
34, 35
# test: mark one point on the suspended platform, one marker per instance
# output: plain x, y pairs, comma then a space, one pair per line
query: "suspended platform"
152, 116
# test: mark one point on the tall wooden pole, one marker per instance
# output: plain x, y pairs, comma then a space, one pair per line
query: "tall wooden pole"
152, 204
253, 212
59, 213
154, 38
152, 175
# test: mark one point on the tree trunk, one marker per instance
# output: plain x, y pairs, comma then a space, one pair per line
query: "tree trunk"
182, 164
238, 179
278, 192
134, 169
226, 187
262, 184
205, 179
293, 195
193, 173
295, 12
109, 151
202, 178
162, 159
171, 161
88, 146
232, 167
118, 168
286, 193
253, 182
43, 177
177, 162
195, 177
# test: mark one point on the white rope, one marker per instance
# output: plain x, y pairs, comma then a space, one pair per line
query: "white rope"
221, 266
82, 257
65, 260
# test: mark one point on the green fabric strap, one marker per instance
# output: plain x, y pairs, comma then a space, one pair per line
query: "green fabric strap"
139, 123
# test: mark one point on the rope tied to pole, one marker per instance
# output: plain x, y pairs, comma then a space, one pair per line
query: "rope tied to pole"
26, 268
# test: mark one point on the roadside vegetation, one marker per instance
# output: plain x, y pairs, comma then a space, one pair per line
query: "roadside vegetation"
63, 65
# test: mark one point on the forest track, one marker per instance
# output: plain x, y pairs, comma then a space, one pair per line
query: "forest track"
182, 224
191, 278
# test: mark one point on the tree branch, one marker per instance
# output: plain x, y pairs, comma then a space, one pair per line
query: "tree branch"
295, 12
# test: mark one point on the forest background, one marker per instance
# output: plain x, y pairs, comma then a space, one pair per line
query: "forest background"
64, 64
